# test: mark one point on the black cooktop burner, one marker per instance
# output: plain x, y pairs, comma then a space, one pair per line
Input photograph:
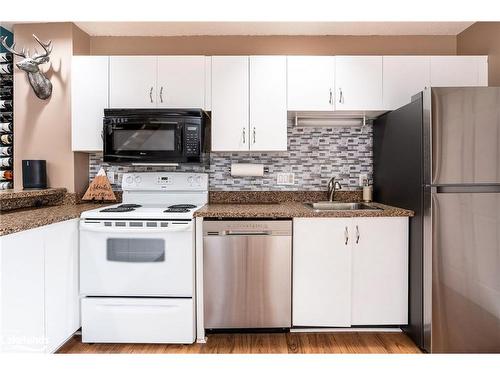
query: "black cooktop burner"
118, 209
182, 206
129, 205
176, 209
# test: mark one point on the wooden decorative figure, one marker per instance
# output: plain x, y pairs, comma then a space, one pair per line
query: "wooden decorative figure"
100, 189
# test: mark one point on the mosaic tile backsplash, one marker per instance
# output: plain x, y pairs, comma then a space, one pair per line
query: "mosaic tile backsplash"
314, 154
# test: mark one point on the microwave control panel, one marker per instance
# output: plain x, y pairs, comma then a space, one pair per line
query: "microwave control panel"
192, 140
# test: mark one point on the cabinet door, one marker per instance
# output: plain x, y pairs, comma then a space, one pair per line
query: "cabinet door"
358, 81
403, 77
268, 118
230, 109
380, 271
311, 81
321, 272
181, 81
89, 97
457, 71
62, 303
132, 81
22, 292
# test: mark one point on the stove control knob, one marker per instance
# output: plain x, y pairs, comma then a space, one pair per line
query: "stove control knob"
138, 179
190, 180
129, 179
198, 180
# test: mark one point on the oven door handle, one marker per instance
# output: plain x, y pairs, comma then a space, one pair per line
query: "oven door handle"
127, 230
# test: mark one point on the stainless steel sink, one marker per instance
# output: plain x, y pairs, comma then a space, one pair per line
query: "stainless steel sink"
340, 206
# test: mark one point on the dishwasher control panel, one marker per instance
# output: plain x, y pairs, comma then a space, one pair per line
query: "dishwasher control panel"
247, 227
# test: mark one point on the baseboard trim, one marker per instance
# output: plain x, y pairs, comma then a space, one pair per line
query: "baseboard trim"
352, 329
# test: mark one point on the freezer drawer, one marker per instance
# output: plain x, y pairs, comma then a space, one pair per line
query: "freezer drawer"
247, 274
138, 320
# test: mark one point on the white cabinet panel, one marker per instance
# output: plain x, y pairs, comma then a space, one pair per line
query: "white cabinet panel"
62, 303
482, 67
268, 117
89, 97
311, 81
22, 326
230, 103
321, 272
39, 302
403, 77
181, 81
380, 271
457, 71
132, 81
358, 81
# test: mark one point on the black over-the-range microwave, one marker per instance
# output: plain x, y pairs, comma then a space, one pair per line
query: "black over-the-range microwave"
155, 135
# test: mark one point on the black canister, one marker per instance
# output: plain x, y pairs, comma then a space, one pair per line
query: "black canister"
34, 174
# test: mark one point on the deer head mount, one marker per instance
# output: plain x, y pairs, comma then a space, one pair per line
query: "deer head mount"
30, 64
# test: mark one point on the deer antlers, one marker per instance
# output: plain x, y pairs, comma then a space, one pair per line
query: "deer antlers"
39, 57
23, 54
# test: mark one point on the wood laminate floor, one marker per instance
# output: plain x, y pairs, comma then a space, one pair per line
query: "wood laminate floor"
263, 343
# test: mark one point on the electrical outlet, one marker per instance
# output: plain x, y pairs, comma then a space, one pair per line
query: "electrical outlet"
111, 176
287, 178
362, 178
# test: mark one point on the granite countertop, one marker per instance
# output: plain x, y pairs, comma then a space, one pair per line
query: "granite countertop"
293, 209
13, 199
29, 218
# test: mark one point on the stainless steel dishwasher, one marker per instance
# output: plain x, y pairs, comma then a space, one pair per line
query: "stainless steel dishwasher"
247, 268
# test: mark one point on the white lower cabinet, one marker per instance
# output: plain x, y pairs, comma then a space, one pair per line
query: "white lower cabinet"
321, 273
62, 302
39, 304
379, 284
22, 327
350, 271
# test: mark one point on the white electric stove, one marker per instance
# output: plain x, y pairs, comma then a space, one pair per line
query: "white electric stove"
137, 261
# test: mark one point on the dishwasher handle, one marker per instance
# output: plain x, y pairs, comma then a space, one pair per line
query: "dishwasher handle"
246, 233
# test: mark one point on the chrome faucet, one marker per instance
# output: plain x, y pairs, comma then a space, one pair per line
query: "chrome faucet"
333, 186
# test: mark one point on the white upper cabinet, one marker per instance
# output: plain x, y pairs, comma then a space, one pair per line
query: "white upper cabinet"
311, 82
268, 118
249, 103
230, 108
132, 81
358, 82
89, 97
456, 71
181, 81
403, 77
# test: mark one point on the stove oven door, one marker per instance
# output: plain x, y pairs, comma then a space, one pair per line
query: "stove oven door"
136, 258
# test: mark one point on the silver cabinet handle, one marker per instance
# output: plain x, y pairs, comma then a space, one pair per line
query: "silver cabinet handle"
341, 96
254, 133
244, 136
151, 94
357, 234
331, 97
346, 235
161, 94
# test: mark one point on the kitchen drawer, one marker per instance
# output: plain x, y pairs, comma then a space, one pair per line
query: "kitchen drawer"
138, 320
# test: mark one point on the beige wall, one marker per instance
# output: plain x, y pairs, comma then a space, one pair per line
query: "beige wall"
277, 45
483, 38
43, 127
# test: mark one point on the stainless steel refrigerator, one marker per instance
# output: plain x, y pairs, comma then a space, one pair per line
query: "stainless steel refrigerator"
440, 156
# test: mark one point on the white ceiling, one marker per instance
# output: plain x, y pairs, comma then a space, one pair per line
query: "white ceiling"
271, 28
